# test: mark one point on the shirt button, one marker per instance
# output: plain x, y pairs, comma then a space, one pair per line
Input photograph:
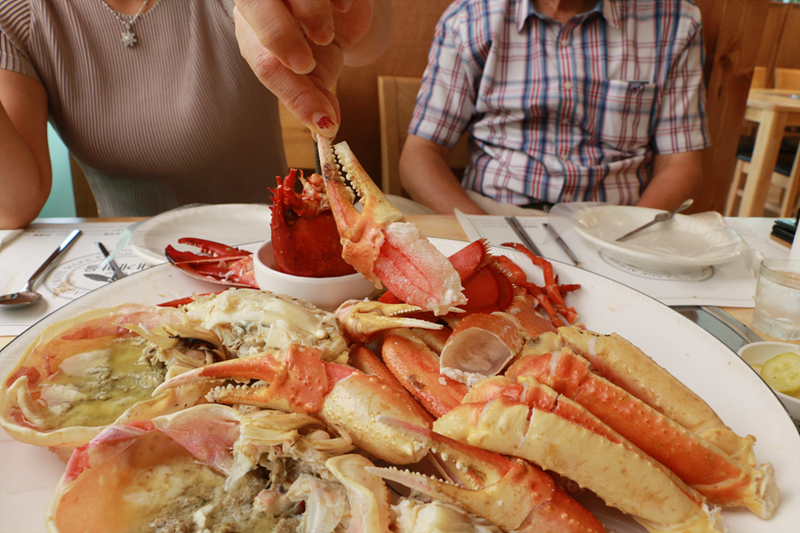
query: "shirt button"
565, 42
568, 85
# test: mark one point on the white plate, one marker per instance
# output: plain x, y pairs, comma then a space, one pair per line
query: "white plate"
728, 384
684, 244
231, 224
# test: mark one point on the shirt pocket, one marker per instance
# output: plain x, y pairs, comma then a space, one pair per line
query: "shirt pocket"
622, 113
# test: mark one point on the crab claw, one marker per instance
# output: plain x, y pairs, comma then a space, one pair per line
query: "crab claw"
513, 494
380, 244
298, 381
222, 264
363, 320
296, 384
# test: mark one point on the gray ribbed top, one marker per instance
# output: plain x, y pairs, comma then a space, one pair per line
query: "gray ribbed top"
179, 118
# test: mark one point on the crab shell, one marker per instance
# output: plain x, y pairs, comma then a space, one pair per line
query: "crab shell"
251, 321
130, 477
50, 372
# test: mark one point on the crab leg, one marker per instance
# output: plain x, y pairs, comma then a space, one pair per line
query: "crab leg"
221, 264
380, 244
627, 366
515, 495
301, 382
416, 367
616, 471
702, 465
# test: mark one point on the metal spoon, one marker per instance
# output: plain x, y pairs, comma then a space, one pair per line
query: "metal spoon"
661, 217
28, 295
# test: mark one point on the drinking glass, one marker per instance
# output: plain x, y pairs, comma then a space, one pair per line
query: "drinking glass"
777, 311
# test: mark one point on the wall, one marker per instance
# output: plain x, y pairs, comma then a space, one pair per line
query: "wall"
61, 202
780, 46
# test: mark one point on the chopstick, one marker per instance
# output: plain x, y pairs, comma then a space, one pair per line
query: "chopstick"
563, 245
523, 235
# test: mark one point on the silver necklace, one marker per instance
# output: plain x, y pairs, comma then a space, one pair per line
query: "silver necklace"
128, 36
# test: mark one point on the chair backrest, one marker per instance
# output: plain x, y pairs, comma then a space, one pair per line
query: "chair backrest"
397, 96
759, 80
787, 78
297, 141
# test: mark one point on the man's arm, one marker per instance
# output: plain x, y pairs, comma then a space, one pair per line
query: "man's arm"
676, 177
425, 174
25, 177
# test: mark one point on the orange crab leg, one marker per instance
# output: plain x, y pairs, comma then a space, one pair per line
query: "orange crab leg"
701, 465
551, 284
514, 494
416, 367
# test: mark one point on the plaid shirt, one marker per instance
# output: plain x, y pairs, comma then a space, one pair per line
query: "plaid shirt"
565, 113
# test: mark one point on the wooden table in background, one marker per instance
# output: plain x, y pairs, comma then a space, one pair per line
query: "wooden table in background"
773, 110
439, 226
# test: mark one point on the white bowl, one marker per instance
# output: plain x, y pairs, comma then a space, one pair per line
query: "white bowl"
758, 353
325, 293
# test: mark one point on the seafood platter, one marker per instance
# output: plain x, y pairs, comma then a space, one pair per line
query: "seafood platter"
485, 390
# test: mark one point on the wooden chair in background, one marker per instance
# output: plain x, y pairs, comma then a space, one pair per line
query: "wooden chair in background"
397, 96
787, 78
785, 180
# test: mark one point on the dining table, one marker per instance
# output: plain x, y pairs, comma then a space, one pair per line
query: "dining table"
438, 226
773, 110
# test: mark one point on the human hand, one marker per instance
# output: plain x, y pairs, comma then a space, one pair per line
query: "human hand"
297, 48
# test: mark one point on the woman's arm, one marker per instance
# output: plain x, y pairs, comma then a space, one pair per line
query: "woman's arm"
297, 49
426, 175
25, 173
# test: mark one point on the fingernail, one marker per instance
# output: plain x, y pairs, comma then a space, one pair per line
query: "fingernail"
302, 63
324, 124
343, 6
324, 37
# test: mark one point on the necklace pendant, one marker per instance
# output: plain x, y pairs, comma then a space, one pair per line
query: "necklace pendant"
128, 37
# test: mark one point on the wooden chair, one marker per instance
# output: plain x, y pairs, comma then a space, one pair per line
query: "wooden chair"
785, 181
787, 78
297, 141
785, 185
397, 96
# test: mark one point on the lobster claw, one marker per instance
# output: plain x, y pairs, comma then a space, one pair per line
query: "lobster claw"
379, 243
218, 263
513, 494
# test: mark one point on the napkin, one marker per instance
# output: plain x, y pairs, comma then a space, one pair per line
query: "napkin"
8, 235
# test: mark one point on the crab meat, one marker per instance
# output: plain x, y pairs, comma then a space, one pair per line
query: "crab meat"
251, 321
100, 368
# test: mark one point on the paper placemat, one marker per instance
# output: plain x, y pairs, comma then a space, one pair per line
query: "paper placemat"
729, 285
68, 280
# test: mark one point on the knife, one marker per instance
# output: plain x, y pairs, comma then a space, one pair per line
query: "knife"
563, 245
118, 273
523, 235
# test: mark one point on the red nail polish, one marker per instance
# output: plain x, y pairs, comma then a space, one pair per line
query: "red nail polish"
324, 122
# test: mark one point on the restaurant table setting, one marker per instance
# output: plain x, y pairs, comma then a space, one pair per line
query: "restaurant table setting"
603, 300
701, 259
